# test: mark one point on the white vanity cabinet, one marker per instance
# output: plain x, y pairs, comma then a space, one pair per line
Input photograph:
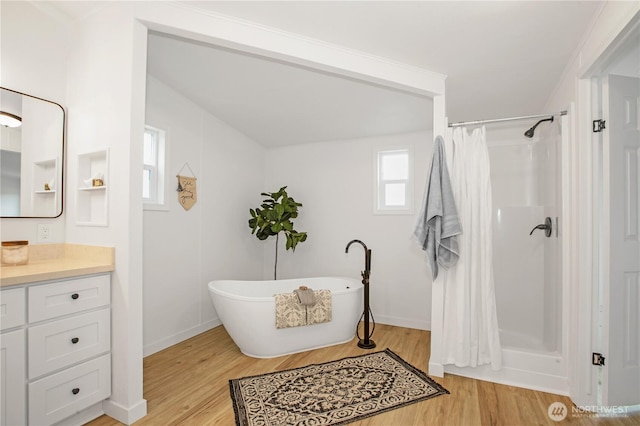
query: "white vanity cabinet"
13, 361
65, 336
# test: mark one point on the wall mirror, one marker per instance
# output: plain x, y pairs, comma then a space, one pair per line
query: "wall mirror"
31, 156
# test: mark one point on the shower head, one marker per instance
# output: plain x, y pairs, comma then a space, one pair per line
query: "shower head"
529, 133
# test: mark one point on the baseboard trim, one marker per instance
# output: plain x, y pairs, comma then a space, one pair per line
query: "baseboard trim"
126, 415
403, 322
179, 337
436, 369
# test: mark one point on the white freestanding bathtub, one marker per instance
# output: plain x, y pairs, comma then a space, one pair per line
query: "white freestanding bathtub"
247, 311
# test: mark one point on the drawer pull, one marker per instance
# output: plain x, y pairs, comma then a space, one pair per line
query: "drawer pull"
75, 340
75, 391
74, 296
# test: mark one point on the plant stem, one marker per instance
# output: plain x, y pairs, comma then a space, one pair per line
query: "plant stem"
275, 268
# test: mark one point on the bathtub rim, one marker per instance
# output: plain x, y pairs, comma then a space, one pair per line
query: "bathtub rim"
210, 285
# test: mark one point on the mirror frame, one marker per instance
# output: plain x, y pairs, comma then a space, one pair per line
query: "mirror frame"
62, 159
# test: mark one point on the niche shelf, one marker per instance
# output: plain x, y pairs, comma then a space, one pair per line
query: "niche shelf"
45, 200
92, 198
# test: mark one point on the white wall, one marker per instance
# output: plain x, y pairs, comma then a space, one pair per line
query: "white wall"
35, 49
334, 182
184, 250
106, 111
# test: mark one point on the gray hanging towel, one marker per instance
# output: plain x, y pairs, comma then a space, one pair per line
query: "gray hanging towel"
438, 222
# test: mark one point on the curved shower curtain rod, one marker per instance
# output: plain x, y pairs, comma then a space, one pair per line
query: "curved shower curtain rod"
497, 120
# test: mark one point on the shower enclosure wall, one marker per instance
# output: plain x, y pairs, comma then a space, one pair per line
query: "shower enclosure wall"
526, 188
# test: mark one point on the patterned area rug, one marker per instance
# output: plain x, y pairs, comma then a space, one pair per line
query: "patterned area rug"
333, 393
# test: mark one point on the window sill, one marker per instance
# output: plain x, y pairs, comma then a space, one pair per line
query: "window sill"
391, 212
155, 207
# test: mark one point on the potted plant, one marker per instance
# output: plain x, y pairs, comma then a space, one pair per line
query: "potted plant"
275, 215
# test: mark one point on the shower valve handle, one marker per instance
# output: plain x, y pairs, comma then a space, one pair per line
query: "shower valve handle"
547, 226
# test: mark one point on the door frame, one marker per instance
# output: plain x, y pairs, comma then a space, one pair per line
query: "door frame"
588, 241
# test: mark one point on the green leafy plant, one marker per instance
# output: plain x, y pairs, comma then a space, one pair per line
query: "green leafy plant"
275, 215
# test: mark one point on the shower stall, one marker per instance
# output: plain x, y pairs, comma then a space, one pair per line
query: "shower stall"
527, 257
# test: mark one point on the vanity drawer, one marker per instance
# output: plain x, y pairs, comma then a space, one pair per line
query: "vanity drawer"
68, 297
12, 308
13, 387
63, 394
58, 344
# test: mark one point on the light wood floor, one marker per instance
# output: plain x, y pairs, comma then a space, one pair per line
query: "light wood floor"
188, 384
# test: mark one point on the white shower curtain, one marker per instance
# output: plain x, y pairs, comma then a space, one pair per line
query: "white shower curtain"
470, 324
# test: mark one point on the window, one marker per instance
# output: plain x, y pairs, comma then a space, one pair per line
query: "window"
153, 175
394, 181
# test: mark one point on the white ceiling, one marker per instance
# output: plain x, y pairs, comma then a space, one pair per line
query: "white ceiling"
277, 103
502, 59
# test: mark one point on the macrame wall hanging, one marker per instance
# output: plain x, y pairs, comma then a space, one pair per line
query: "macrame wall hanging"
187, 193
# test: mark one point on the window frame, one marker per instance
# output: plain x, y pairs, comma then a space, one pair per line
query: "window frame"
379, 183
158, 184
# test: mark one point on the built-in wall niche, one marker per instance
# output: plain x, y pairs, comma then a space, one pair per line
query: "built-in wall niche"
93, 179
45, 187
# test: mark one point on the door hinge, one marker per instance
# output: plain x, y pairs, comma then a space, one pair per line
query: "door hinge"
597, 359
598, 126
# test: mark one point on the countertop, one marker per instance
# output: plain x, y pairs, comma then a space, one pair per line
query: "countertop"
56, 261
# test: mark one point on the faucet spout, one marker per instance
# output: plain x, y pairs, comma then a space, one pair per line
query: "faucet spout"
346, 250
367, 258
